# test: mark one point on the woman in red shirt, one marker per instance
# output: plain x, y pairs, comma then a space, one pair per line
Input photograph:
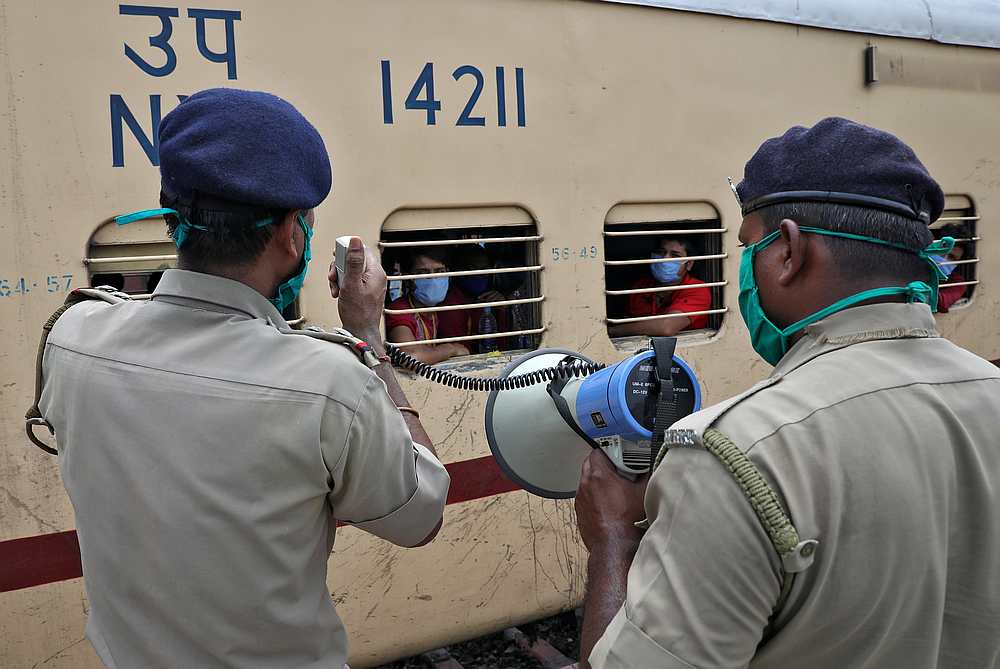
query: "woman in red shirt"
434, 291
667, 302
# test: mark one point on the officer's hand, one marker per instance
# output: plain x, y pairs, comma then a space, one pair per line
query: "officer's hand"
361, 293
607, 503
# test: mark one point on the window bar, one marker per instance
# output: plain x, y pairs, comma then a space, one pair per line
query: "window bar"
445, 340
958, 218
679, 314
662, 289
449, 242
458, 307
656, 261
104, 261
665, 233
474, 272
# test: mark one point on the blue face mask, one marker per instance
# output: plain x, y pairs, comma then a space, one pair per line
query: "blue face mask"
395, 290
665, 272
284, 295
945, 269
430, 292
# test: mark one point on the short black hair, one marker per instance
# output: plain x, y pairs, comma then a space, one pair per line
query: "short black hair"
689, 243
859, 258
231, 239
438, 253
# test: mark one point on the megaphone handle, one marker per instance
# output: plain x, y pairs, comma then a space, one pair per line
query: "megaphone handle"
554, 389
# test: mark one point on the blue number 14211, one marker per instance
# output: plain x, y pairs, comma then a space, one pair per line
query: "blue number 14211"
421, 95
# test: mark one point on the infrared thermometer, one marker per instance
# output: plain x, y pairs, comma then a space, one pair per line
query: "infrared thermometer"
340, 255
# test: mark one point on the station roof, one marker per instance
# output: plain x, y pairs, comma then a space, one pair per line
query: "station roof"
965, 22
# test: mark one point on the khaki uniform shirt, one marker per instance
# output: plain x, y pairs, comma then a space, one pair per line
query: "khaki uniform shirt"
208, 455
882, 439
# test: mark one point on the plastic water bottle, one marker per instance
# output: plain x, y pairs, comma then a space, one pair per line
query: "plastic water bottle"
487, 325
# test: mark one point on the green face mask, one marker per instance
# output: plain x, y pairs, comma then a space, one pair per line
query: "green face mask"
289, 289
771, 342
284, 295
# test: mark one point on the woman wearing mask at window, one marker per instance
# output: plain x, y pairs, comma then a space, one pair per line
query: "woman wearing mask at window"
688, 301
433, 291
949, 294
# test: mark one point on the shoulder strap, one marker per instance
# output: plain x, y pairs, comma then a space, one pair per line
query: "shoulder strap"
357, 346
34, 415
795, 553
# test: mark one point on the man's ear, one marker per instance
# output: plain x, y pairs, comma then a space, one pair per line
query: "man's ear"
286, 233
794, 251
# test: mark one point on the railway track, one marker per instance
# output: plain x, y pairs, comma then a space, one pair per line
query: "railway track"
543, 644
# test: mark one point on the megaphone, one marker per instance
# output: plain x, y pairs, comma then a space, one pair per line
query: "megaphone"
541, 434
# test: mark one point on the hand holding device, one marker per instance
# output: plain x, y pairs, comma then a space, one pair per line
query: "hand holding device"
340, 254
358, 281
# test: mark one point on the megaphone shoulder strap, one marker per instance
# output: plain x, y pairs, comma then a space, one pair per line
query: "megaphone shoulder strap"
666, 402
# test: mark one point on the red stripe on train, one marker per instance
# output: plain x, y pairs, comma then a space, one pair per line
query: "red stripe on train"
48, 558
33, 561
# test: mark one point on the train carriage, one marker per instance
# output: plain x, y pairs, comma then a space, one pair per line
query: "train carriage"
561, 135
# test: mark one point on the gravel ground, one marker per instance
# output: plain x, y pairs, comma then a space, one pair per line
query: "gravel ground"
495, 652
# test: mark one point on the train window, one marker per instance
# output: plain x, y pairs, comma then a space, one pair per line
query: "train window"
959, 220
663, 269
133, 257
463, 281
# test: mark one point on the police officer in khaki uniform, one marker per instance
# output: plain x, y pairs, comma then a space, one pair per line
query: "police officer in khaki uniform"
844, 512
208, 449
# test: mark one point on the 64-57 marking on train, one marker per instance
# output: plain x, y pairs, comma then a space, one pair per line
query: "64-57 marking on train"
53, 283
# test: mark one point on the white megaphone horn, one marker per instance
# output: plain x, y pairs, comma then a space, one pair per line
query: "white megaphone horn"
541, 434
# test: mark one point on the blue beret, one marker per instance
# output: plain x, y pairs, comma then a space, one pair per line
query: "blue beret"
246, 147
844, 162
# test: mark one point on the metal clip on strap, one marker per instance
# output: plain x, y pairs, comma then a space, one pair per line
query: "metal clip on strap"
34, 415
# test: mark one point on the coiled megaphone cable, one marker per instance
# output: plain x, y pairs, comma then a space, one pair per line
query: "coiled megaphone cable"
566, 370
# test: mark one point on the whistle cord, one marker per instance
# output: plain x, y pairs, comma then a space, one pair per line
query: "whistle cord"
564, 371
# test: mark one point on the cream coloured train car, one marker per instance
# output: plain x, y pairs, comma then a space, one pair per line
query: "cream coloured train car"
564, 133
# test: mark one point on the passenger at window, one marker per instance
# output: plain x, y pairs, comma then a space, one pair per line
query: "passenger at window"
434, 291
949, 295
667, 302
495, 288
